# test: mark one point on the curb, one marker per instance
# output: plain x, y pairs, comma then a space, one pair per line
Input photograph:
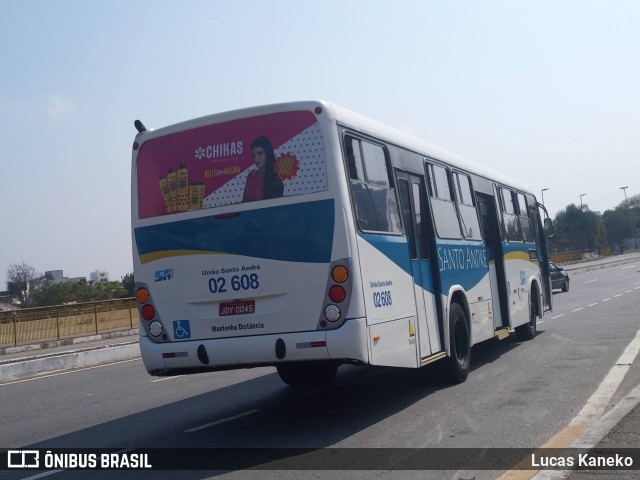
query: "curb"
609, 420
596, 433
585, 266
88, 357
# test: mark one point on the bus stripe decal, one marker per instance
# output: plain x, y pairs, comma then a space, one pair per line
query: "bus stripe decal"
153, 256
396, 249
295, 233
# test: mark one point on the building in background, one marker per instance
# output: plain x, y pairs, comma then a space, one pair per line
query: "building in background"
98, 275
54, 277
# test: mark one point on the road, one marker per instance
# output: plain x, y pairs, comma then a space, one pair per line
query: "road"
517, 395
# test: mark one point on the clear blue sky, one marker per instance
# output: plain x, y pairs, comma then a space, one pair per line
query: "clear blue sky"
545, 91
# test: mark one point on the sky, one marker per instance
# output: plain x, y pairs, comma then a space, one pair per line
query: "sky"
545, 91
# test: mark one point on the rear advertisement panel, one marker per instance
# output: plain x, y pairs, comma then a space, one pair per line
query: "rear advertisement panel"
251, 159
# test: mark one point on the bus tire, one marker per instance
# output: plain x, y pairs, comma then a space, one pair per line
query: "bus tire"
307, 373
458, 363
528, 330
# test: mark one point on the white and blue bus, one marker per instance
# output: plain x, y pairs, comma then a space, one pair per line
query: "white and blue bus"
305, 236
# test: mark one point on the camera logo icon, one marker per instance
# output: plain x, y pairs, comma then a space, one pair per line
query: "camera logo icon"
23, 459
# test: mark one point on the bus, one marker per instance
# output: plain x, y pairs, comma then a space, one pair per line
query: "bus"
306, 236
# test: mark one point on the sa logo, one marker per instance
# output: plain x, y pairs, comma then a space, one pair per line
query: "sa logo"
162, 275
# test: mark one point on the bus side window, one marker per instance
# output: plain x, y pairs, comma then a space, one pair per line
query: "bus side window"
468, 213
509, 217
418, 207
525, 221
373, 196
445, 217
405, 205
354, 159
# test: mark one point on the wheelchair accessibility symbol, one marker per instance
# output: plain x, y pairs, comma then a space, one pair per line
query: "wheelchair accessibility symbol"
181, 329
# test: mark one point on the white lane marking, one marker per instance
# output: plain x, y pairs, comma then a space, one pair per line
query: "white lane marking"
599, 401
223, 420
558, 316
592, 281
637, 288
630, 266
592, 304
576, 310
67, 372
164, 379
43, 474
618, 295
606, 299
628, 291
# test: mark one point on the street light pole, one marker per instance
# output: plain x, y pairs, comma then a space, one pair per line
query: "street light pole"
542, 191
585, 232
626, 200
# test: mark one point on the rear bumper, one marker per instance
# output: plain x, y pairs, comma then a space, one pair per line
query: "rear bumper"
348, 342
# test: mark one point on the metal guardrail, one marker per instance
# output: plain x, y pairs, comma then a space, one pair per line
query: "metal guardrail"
31, 325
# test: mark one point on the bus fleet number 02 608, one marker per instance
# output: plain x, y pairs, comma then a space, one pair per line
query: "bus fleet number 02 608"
382, 299
237, 283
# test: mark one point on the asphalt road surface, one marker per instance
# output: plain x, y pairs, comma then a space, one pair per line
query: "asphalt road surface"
519, 394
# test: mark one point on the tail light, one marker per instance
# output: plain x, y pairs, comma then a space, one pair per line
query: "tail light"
148, 312
142, 295
340, 274
337, 294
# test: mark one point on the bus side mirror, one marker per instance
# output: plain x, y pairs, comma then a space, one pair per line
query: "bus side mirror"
548, 227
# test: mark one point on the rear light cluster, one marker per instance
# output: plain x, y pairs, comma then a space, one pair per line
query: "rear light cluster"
338, 294
148, 313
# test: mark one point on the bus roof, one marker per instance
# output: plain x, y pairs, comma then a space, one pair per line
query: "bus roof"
384, 132
355, 121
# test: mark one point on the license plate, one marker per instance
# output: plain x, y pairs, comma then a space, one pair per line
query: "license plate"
241, 307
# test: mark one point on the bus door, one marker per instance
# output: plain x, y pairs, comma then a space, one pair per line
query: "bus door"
495, 254
415, 215
543, 257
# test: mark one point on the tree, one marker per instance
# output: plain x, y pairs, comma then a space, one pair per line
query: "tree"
129, 284
634, 203
578, 229
22, 281
617, 226
632, 210
80, 292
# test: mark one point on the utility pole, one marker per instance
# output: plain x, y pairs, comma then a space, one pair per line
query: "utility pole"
585, 231
626, 200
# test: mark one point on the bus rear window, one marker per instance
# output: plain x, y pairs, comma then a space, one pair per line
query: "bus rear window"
256, 158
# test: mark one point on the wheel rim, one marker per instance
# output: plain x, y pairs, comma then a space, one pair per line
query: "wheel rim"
532, 319
461, 343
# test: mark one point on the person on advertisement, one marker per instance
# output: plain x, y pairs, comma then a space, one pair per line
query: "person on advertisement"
263, 182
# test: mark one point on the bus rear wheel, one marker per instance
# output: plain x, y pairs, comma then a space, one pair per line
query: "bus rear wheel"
458, 364
307, 373
528, 330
